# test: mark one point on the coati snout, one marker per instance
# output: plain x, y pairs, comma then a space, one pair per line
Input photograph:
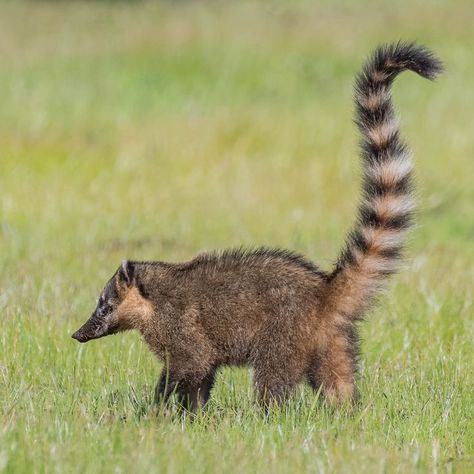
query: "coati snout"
272, 309
112, 314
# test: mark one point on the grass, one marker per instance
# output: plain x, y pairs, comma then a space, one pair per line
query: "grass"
157, 130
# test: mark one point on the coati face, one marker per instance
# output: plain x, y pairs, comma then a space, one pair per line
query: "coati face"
120, 307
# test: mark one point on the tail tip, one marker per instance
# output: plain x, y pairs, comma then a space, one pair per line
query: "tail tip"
423, 61
409, 55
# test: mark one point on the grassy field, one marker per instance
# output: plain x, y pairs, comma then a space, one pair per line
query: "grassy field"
155, 131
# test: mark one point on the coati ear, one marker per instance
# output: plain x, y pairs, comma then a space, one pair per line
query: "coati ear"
125, 274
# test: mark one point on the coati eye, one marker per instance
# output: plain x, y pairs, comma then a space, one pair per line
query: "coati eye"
103, 308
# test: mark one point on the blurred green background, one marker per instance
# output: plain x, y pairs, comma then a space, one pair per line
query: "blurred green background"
155, 130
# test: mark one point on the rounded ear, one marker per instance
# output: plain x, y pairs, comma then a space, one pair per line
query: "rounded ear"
125, 273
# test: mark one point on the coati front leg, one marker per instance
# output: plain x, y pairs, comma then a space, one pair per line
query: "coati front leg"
189, 370
207, 384
191, 392
165, 387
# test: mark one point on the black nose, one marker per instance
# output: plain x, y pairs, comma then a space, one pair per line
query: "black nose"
77, 336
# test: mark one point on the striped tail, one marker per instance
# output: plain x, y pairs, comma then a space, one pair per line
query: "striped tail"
374, 248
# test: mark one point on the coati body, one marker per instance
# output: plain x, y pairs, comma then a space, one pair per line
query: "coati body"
274, 310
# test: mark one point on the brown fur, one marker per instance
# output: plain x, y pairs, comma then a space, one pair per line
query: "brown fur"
261, 310
274, 310
135, 311
372, 101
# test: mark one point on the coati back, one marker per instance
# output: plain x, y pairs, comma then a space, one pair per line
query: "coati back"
272, 309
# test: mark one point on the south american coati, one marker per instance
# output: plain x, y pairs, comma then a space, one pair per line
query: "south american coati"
272, 309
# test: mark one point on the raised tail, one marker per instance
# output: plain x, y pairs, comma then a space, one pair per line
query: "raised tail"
374, 248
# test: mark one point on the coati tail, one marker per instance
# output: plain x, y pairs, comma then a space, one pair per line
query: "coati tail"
374, 248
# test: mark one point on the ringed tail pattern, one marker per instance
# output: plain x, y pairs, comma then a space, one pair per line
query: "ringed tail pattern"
374, 248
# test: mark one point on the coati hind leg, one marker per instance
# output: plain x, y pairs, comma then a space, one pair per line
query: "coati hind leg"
271, 393
334, 367
275, 381
279, 361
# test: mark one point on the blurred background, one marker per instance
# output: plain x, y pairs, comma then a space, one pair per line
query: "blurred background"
156, 130
146, 129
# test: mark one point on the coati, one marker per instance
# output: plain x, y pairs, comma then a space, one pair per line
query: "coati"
273, 309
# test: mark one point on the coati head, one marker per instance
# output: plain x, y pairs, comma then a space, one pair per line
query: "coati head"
121, 306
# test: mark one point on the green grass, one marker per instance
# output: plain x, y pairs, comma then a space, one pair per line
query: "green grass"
154, 131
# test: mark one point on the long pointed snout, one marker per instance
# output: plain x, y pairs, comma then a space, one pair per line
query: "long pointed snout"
79, 336
93, 328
